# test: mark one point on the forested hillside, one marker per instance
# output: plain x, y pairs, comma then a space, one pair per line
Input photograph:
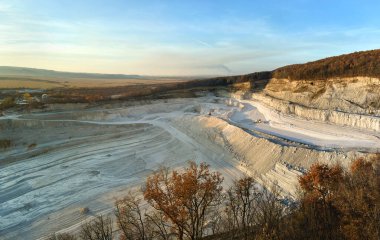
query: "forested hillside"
366, 63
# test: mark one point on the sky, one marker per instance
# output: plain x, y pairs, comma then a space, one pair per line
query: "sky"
173, 37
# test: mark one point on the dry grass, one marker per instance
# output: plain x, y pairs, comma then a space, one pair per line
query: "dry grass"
49, 83
11, 84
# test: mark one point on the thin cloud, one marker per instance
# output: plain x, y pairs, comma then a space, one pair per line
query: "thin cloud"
203, 43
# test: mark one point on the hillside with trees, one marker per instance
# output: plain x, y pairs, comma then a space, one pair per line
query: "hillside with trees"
365, 63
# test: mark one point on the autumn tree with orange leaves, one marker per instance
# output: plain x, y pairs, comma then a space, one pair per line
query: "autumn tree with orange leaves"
337, 203
185, 198
319, 186
359, 200
320, 182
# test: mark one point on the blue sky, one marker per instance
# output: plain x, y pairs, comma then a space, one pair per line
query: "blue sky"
182, 37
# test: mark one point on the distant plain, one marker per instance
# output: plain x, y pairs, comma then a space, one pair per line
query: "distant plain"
14, 82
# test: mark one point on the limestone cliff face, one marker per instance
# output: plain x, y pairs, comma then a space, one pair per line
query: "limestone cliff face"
368, 122
360, 95
353, 102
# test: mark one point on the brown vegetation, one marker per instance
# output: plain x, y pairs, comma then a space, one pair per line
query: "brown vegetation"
7, 102
131, 218
20, 82
334, 204
185, 199
252, 211
5, 143
62, 236
84, 210
365, 63
162, 88
84, 95
338, 204
31, 146
98, 229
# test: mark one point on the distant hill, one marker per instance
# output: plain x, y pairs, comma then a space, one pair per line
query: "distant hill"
34, 72
365, 63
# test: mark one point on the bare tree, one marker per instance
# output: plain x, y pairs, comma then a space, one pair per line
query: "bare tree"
270, 211
158, 226
216, 221
98, 229
130, 218
62, 236
242, 201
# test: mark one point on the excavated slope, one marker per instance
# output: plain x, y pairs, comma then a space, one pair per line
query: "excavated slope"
258, 155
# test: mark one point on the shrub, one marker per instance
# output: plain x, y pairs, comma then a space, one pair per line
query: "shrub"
5, 143
8, 102
84, 210
32, 145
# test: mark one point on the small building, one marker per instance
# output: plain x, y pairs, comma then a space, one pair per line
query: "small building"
21, 101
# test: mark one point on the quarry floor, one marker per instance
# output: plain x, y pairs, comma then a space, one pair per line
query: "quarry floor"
64, 160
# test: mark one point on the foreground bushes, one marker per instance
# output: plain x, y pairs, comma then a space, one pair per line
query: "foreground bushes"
334, 204
338, 204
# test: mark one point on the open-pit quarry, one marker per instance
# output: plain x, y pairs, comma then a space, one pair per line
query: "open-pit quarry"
67, 158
